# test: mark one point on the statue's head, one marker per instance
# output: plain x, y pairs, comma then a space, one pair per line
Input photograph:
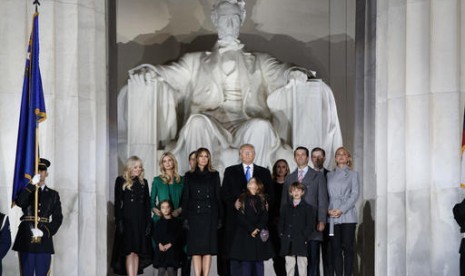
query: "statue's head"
228, 16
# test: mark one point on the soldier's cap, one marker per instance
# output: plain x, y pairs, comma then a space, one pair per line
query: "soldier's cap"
43, 164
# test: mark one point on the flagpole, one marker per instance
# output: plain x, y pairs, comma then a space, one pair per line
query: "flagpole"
36, 192
32, 112
36, 168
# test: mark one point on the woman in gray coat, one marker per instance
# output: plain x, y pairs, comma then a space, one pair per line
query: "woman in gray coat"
343, 190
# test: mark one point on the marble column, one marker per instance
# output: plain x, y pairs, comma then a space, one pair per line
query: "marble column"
419, 114
74, 137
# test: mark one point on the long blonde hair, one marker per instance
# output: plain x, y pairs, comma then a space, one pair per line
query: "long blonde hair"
166, 178
130, 164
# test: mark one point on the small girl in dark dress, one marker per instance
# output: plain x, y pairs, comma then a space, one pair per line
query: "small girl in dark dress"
248, 247
168, 241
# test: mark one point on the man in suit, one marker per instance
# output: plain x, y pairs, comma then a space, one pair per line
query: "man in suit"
35, 254
318, 157
316, 195
234, 184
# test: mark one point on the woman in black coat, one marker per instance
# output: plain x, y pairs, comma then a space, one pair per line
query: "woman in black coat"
202, 218
248, 247
132, 250
279, 173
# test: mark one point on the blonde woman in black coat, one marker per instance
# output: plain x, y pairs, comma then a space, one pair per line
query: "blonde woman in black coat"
132, 250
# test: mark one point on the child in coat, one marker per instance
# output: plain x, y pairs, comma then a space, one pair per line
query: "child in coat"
168, 241
295, 226
250, 246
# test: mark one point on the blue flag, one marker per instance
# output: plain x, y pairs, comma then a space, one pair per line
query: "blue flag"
31, 114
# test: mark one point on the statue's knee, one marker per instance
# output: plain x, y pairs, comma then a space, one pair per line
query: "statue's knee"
260, 124
198, 120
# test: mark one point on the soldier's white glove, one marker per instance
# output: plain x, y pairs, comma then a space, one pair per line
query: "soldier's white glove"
36, 179
37, 233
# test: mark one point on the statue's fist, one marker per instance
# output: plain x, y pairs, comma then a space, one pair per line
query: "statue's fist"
297, 75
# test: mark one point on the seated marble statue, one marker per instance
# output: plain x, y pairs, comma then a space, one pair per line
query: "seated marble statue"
223, 98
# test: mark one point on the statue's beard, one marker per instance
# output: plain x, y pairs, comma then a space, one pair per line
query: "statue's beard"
228, 35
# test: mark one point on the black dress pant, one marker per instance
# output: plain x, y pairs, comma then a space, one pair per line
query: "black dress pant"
462, 257
342, 247
326, 254
313, 258
462, 264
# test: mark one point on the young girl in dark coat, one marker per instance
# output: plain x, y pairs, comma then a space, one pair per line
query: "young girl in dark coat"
248, 247
168, 241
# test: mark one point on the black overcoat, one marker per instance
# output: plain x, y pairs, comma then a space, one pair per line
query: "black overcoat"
168, 231
295, 227
234, 184
244, 246
133, 223
202, 211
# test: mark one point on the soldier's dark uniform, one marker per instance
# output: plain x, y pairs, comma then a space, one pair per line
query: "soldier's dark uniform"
459, 215
36, 257
5, 237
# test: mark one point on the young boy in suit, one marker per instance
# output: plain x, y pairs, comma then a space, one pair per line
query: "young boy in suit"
295, 227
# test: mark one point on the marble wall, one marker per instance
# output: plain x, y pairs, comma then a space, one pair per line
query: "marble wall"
74, 137
418, 127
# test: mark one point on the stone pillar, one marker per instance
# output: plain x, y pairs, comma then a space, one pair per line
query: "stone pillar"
418, 136
74, 136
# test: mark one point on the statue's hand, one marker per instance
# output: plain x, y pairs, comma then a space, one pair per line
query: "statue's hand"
297, 76
144, 74
152, 76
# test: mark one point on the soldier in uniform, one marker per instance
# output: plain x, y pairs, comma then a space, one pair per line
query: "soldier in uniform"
5, 237
35, 256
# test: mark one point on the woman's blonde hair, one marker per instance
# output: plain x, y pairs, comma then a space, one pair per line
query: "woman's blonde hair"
166, 178
349, 156
130, 164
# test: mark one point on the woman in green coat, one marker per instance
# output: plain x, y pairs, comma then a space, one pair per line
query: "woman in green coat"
168, 185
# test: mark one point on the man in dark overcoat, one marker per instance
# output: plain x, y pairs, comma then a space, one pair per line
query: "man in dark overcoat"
234, 184
318, 157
